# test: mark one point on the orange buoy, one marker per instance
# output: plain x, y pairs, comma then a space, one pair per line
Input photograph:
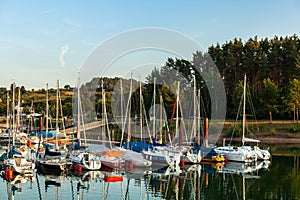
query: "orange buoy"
8, 173
28, 143
113, 178
41, 149
79, 168
59, 142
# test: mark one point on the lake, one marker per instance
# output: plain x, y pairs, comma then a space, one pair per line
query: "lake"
279, 179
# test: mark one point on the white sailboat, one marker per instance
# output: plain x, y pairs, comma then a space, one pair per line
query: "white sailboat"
160, 155
247, 153
194, 155
17, 162
110, 158
87, 161
242, 153
20, 165
81, 157
261, 154
129, 155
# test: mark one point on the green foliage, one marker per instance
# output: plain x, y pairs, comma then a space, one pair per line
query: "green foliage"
261, 127
267, 63
235, 130
269, 97
294, 129
273, 131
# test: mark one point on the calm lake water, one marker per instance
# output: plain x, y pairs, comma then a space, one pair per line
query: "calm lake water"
279, 179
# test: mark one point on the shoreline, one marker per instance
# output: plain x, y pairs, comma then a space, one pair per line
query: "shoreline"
267, 140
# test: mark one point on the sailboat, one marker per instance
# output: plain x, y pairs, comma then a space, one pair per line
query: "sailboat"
17, 163
160, 155
53, 159
128, 154
80, 156
193, 155
163, 155
262, 154
20, 165
253, 153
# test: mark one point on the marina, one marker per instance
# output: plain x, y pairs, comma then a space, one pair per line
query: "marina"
232, 180
185, 100
87, 157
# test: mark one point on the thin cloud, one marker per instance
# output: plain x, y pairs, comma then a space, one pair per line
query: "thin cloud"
64, 50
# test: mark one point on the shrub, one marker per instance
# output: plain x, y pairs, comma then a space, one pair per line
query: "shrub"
236, 130
273, 131
294, 129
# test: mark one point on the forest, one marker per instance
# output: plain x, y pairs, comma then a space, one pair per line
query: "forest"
272, 67
273, 74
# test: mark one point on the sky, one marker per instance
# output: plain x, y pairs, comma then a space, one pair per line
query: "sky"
42, 41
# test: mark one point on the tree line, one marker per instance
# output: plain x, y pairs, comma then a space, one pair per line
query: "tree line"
273, 80
34, 101
273, 74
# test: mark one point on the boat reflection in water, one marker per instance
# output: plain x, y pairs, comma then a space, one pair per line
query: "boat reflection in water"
198, 181
244, 168
14, 184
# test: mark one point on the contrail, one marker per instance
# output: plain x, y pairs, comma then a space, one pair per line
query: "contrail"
64, 50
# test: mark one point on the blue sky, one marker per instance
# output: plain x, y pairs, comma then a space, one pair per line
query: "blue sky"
33, 33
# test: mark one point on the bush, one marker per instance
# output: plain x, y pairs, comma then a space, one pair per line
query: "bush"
236, 130
273, 131
294, 129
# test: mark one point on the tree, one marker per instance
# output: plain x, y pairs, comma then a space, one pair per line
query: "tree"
270, 96
67, 87
294, 98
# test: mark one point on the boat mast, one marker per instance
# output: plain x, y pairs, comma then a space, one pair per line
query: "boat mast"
121, 106
177, 108
244, 109
47, 110
7, 111
107, 123
195, 109
154, 116
161, 118
13, 117
19, 111
78, 109
141, 111
57, 112
128, 111
199, 116
123, 122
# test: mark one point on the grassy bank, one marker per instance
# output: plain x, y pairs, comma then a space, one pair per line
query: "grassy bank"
275, 132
